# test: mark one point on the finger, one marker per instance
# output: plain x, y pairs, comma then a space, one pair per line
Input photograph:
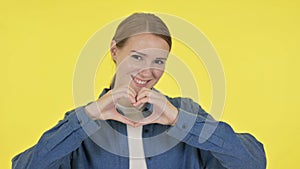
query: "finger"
129, 95
144, 92
143, 95
132, 90
124, 92
142, 101
127, 88
132, 93
149, 98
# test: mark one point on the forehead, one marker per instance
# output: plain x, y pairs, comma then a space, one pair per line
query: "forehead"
147, 43
151, 53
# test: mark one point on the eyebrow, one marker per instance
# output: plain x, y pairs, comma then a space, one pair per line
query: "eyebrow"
144, 54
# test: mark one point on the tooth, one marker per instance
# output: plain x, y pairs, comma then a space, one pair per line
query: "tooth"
140, 81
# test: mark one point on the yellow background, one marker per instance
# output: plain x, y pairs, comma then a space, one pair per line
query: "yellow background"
257, 41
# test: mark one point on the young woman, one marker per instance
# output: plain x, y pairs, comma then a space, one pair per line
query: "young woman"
132, 125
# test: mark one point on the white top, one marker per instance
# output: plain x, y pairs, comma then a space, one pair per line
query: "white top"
136, 148
135, 141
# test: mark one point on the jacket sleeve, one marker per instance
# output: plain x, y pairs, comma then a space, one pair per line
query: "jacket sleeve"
54, 148
227, 148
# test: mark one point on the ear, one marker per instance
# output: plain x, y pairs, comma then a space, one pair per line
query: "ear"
113, 50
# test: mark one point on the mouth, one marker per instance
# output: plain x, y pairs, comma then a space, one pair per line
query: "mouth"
139, 82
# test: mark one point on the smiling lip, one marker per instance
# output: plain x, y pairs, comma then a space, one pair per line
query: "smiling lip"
139, 82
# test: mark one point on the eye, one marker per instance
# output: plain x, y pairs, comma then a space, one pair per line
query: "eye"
160, 62
137, 57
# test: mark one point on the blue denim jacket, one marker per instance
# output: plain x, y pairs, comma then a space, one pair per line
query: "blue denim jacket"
195, 141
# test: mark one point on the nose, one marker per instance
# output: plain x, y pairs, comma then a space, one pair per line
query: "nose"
146, 72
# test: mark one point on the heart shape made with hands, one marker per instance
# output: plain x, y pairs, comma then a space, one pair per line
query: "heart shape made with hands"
133, 113
139, 112
129, 107
107, 106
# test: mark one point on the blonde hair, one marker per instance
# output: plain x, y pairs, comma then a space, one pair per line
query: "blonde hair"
139, 23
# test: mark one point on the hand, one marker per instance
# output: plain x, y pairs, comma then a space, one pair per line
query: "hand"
104, 108
163, 111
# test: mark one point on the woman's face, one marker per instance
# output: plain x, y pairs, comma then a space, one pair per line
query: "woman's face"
141, 61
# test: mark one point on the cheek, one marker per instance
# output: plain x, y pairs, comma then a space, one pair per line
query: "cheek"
158, 73
126, 67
